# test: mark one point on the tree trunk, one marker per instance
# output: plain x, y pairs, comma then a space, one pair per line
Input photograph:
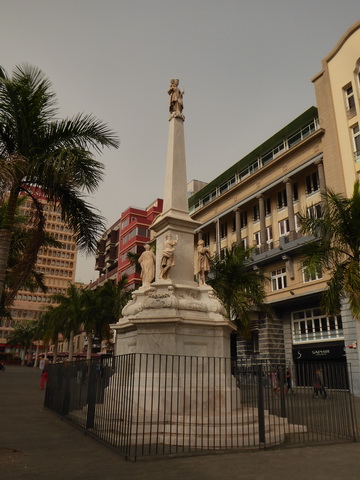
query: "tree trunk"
37, 355
89, 346
6, 235
29, 355
55, 350
71, 346
23, 359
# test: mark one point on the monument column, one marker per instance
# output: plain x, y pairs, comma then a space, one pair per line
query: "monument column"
175, 314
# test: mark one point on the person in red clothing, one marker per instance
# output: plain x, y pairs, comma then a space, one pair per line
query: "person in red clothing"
44, 375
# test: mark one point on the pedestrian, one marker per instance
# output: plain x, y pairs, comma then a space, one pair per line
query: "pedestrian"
289, 386
2, 366
274, 382
318, 384
44, 375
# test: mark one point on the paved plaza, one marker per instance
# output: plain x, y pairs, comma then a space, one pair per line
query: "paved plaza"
35, 444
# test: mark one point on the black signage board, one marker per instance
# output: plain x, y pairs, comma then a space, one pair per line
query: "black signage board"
319, 352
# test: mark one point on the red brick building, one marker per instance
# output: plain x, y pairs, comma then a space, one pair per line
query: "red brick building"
128, 234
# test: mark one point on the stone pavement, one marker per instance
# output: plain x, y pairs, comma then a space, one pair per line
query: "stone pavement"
37, 445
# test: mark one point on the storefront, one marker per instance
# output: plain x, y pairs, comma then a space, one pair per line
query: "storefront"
330, 357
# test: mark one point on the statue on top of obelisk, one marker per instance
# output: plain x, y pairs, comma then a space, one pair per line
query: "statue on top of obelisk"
176, 98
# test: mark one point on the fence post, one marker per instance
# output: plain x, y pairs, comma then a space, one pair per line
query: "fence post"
261, 413
91, 396
66, 400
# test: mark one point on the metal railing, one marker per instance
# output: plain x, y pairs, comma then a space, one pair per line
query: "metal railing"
144, 404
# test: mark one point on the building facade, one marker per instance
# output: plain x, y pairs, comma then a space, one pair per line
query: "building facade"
128, 234
57, 264
256, 203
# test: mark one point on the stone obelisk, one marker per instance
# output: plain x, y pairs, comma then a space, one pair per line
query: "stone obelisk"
174, 315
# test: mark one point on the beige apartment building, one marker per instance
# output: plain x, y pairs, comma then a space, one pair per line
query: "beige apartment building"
256, 202
57, 265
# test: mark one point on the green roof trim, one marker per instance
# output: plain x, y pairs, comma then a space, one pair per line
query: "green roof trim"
265, 147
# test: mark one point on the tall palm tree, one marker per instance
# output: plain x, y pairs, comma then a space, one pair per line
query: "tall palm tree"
336, 249
112, 298
51, 326
69, 314
23, 334
239, 287
22, 234
41, 154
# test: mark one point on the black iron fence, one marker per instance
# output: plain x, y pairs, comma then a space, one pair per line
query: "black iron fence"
143, 404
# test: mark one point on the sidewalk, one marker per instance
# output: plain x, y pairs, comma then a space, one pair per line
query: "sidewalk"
37, 445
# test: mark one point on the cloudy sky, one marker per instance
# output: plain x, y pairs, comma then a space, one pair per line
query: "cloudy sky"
246, 67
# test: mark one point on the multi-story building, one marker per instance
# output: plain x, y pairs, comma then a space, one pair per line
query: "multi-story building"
128, 234
256, 202
57, 264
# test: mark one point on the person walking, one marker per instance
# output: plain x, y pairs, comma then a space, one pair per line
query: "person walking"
318, 384
44, 375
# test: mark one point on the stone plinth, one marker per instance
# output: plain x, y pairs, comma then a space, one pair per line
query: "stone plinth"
176, 320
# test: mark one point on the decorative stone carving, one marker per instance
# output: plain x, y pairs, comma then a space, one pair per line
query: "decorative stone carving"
167, 259
147, 262
176, 97
203, 262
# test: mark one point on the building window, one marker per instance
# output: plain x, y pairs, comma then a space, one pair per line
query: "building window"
269, 237
350, 101
311, 276
310, 325
243, 219
356, 141
282, 199
255, 341
314, 211
257, 239
267, 206
278, 279
312, 183
295, 192
256, 212
223, 230
284, 227
244, 242
206, 238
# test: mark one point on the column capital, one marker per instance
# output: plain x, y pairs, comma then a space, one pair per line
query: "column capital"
259, 196
319, 161
287, 180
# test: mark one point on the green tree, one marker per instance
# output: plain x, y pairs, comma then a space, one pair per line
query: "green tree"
336, 249
239, 287
111, 299
24, 334
41, 154
22, 234
51, 326
69, 314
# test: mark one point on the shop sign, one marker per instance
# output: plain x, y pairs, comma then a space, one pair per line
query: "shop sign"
319, 352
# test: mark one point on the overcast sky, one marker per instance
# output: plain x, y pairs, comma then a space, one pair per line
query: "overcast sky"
246, 66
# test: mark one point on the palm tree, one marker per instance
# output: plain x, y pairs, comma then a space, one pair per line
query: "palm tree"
69, 314
22, 234
112, 298
42, 154
23, 334
239, 287
51, 326
336, 249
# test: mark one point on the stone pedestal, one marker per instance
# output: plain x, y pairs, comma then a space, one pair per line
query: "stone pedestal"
174, 320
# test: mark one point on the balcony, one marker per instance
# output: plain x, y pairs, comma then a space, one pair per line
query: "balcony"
274, 250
